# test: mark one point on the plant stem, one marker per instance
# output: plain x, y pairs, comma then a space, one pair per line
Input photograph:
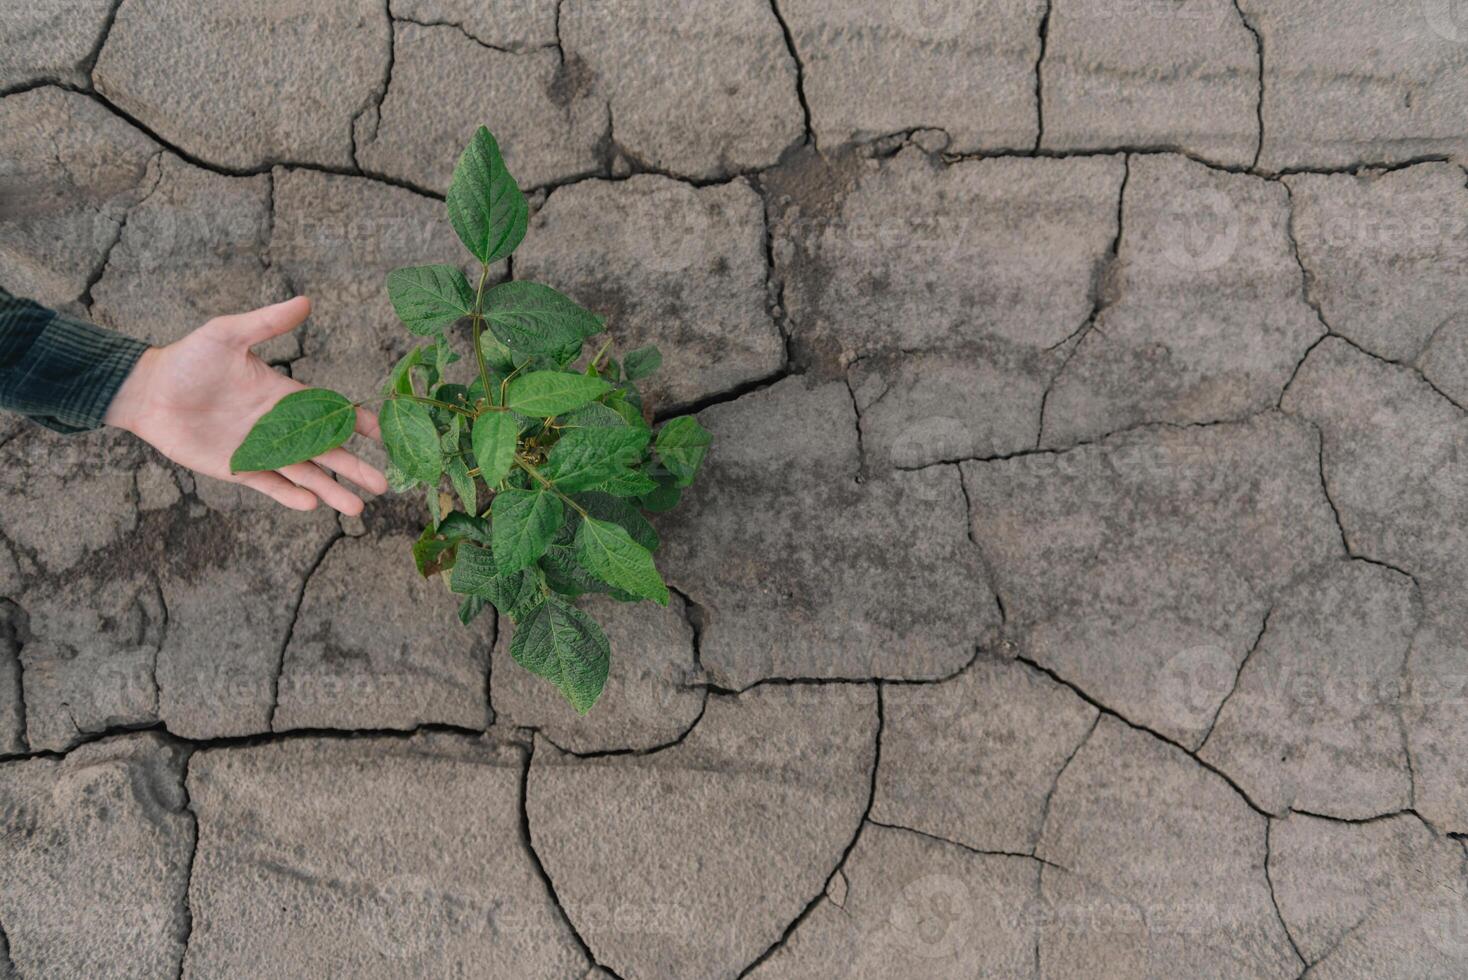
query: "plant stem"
506, 382
478, 322
599, 353
436, 403
520, 462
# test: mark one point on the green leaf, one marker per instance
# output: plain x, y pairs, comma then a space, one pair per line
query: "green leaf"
435, 505
608, 551
664, 497
473, 570
524, 521
608, 508
533, 319
449, 438
564, 645
565, 574
629, 483
494, 439
518, 595
397, 480
301, 426
400, 378
630, 411
428, 298
585, 458
642, 362
460, 526
470, 609
463, 483
497, 357
411, 440
542, 394
433, 552
443, 353
485, 205
475, 574
592, 416
681, 445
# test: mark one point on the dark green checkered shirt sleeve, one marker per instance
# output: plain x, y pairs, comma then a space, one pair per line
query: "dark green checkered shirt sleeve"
61, 372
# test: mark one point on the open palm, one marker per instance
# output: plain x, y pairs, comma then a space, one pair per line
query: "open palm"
195, 400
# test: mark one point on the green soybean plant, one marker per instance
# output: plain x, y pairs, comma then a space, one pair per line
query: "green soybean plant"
537, 472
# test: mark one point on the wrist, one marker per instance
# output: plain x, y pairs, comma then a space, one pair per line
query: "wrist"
128, 405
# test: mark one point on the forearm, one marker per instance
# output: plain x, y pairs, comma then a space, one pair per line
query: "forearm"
61, 372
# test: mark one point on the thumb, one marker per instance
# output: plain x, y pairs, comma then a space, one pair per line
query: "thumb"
258, 326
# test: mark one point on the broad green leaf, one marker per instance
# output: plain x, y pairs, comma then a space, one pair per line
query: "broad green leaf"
460, 526
497, 357
609, 552
456, 527
470, 609
523, 523
681, 445
301, 426
541, 394
463, 483
486, 207
642, 362
452, 394
473, 570
631, 412
518, 595
448, 440
592, 416
534, 319
443, 355
411, 440
475, 574
585, 458
564, 645
664, 497
565, 574
400, 378
494, 437
433, 552
397, 480
428, 298
619, 512
629, 483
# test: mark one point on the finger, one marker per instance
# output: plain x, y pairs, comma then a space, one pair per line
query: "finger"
343, 463
367, 425
279, 489
258, 326
319, 482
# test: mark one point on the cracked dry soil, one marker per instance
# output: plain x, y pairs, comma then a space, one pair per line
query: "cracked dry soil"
1075, 588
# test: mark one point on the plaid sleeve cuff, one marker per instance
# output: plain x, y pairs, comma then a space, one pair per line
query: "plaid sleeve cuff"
67, 379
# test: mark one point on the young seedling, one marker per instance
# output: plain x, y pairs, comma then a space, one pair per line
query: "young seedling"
551, 465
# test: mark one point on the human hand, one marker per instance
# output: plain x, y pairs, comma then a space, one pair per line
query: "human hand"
195, 400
